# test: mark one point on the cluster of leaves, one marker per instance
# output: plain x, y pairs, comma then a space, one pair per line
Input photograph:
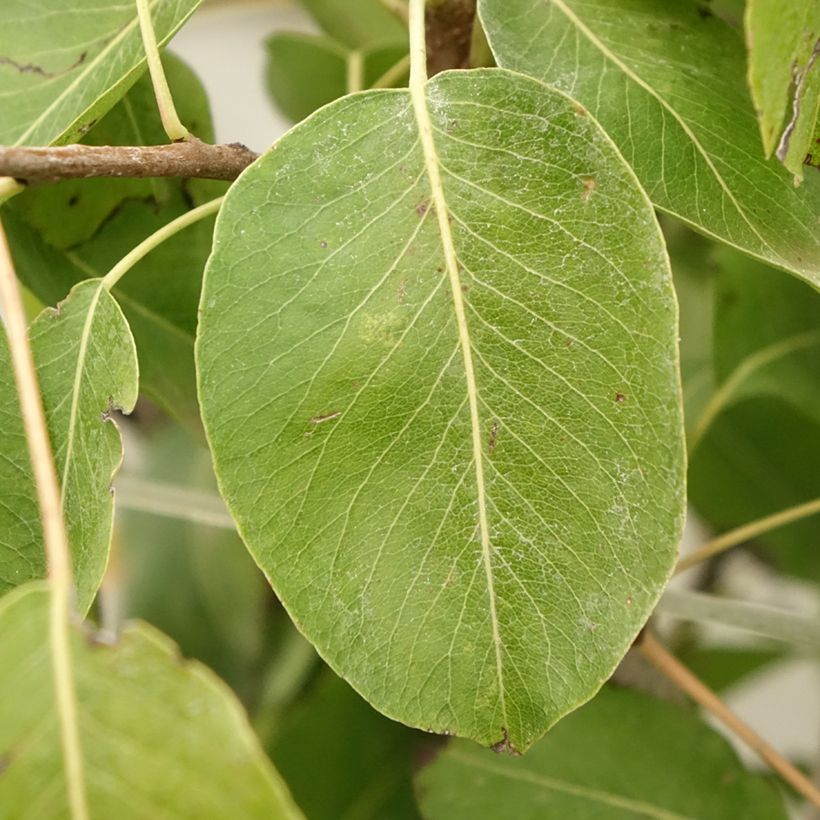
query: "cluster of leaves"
435, 355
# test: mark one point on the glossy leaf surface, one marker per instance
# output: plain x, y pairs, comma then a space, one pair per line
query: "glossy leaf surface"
440, 384
87, 365
667, 82
621, 757
63, 65
158, 736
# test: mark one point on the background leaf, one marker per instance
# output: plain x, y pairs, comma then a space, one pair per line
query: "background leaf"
667, 82
305, 71
87, 365
65, 233
337, 401
158, 735
624, 755
784, 72
63, 65
342, 759
356, 23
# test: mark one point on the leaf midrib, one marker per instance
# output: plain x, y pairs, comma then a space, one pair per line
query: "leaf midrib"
418, 95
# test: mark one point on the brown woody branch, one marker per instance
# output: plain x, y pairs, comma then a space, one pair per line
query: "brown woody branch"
192, 158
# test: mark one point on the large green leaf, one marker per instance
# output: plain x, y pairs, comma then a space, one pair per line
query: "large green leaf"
356, 23
621, 757
667, 81
784, 44
305, 71
63, 234
159, 737
87, 365
64, 64
439, 378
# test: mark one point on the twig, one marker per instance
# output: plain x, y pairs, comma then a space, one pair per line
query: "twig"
670, 666
180, 159
165, 102
55, 537
747, 532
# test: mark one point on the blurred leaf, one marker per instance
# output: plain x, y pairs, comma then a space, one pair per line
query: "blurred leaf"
343, 760
623, 755
767, 334
64, 64
356, 23
472, 539
759, 457
195, 583
721, 668
667, 82
159, 737
86, 365
784, 72
65, 233
306, 71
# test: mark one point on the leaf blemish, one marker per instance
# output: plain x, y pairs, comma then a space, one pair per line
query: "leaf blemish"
504, 745
320, 419
620, 398
589, 187
423, 207
493, 438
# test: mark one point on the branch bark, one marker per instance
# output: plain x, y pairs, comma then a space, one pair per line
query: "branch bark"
192, 158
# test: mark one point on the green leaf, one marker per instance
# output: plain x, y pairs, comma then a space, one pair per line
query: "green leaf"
66, 233
306, 71
439, 379
87, 365
342, 759
624, 755
784, 71
159, 736
195, 583
759, 457
357, 23
63, 65
666, 80
766, 340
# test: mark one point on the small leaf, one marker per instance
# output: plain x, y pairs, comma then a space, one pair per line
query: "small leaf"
445, 413
623, 755
362, 23
306, 71
63, 234
666, 80
158, 736
63, 65
784, 75
86, 364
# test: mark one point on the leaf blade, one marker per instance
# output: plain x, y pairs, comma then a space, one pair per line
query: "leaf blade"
349, 396
667, 84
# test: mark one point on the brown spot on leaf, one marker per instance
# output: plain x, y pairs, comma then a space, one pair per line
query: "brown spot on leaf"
320, 419
579, 109
589, 187
504, 746
423, 207
620, 398
491, 445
